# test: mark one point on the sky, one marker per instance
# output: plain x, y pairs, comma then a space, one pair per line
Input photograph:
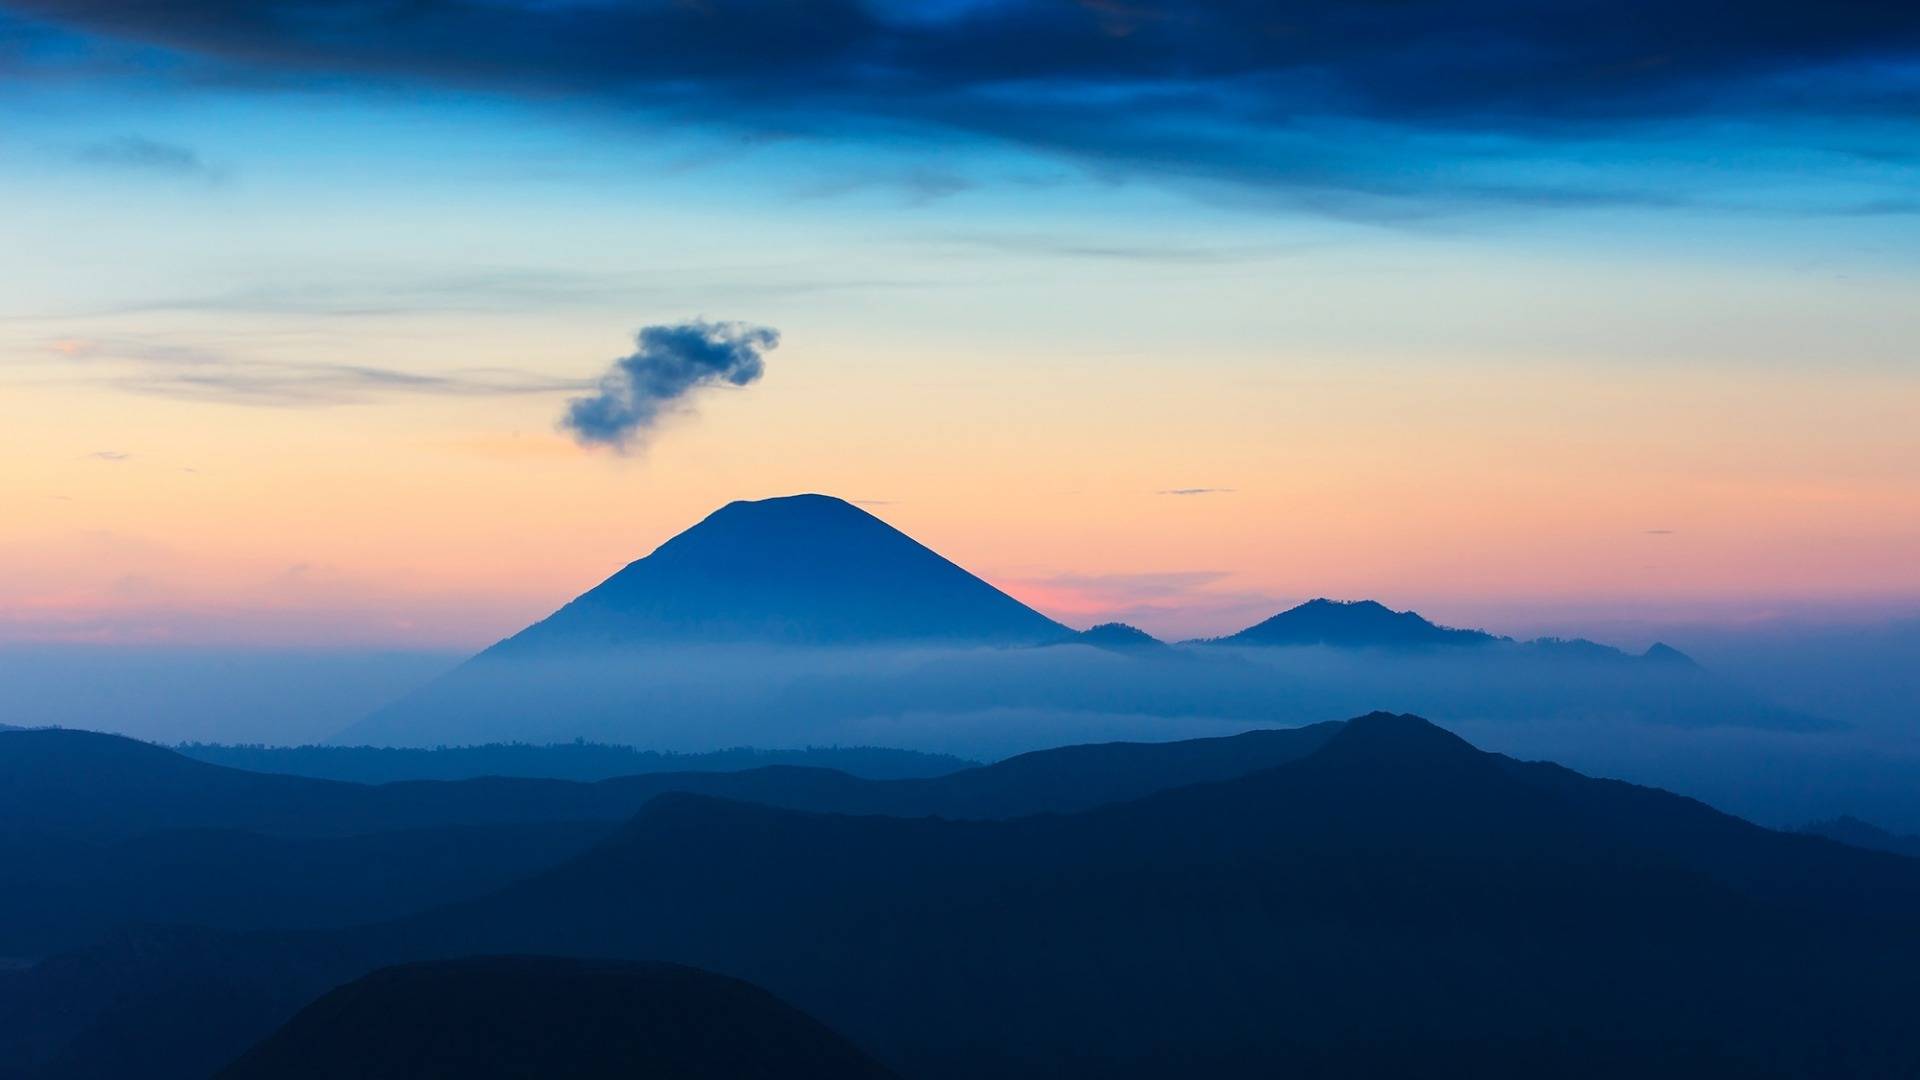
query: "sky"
385, 324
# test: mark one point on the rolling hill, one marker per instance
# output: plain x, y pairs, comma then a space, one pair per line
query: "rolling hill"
101, 832
1394, 901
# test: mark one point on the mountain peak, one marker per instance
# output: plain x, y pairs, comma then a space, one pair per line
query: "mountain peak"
1662, 653
1396, 736
1117, 635
805, 508
1353, 624
804, 569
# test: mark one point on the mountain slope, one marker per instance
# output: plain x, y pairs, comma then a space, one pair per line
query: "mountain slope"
1393, 903
1356, 624
800, 570
58, 893
1394, 887
497, 1018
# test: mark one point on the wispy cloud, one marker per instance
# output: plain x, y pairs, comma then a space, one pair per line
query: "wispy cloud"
1179, 252
1133, 587
114, 456
292, 385
196, 374
670, 363
917, 187
137, 152
1196, 491
1172, 604
357, 290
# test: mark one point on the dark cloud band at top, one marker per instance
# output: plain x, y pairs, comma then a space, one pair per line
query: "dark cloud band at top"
1232, 89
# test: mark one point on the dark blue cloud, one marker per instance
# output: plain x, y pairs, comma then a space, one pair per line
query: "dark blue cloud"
671, 362
1310, 96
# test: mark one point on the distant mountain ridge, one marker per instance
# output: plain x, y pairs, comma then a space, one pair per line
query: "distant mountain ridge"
1353, 624
580, 760
1369, 624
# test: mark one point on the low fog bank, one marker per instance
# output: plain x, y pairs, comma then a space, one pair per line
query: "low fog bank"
698, 698
1780, 779
1783, 727
186, 694
1866, 672
1669, 725
1856, 662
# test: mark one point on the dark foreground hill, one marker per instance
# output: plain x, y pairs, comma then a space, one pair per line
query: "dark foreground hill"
58, 893
511, 1018
1394, 903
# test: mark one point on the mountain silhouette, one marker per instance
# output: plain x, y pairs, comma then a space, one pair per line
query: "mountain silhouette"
1393, 903
720, 614
1355, 624
509, 1018
1662, 653
799, 570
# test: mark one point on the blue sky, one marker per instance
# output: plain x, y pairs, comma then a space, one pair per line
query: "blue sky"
1479, 307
